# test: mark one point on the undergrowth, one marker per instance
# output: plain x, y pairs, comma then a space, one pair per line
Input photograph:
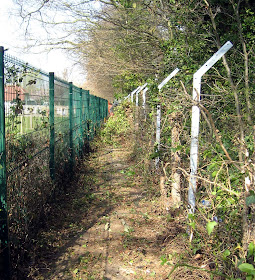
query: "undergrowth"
215, 251
118, 126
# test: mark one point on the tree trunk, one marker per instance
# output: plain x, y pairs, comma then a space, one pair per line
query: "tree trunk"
164, 199
176, 161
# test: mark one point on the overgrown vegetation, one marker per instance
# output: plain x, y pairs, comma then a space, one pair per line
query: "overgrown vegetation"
117, 126
216, 248
148, 39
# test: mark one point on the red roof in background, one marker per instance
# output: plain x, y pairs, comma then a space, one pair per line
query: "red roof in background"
12, 92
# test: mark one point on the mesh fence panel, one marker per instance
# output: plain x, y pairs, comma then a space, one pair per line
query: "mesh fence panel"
62, 130
44, 138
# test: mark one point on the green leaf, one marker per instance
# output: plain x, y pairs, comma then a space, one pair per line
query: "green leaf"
130, 173
163, 260
191, 216
193, 225
214, 173
247, 267
178, 148
251, 192
250, 200
225, 254
251, 250
76, 271
210, 226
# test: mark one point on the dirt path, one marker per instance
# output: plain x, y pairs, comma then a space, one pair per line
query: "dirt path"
120, 234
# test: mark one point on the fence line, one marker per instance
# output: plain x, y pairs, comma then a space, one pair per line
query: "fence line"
45, 124
194, 135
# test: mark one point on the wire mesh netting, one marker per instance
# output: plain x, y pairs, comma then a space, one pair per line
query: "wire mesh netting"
27, 141
48, 122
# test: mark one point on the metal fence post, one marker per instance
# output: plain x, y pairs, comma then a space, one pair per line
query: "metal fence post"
158, 117
195, 123
87, 114
106, 109
100, 111
71, 160
138, 91
4, 236
158, 124
81, 128
91, 116
103, 109
132, 94
97, 112
144, 103
94, 114
91, 123
52, 126
137, 98
101, 105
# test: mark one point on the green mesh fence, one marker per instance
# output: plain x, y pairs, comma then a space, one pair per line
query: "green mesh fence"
45, 124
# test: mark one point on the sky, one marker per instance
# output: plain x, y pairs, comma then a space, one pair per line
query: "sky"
12, 38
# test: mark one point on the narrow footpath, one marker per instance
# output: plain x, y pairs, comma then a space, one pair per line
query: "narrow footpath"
111, 227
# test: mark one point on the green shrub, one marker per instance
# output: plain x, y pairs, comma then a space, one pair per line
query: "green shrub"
118, 125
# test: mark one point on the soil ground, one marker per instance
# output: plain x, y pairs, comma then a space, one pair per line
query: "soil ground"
109, 226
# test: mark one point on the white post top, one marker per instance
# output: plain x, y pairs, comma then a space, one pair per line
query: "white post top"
168, 78
142, 87
202, 70
145, 89
126, 97
134, 91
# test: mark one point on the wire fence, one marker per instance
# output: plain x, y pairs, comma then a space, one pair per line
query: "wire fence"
46, 124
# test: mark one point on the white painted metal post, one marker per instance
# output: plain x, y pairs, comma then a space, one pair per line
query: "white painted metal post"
137, 98
133, 92
158, 123
144, 97
137, 93
144, 102
127, 97
195, 122
158, 117
168, 78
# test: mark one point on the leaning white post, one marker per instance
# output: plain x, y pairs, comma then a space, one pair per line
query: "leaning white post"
144, 97
133, 92
195, 122
168, 78
158, 123
158, 117
127, 97
144, 102
137, 98
137, 93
